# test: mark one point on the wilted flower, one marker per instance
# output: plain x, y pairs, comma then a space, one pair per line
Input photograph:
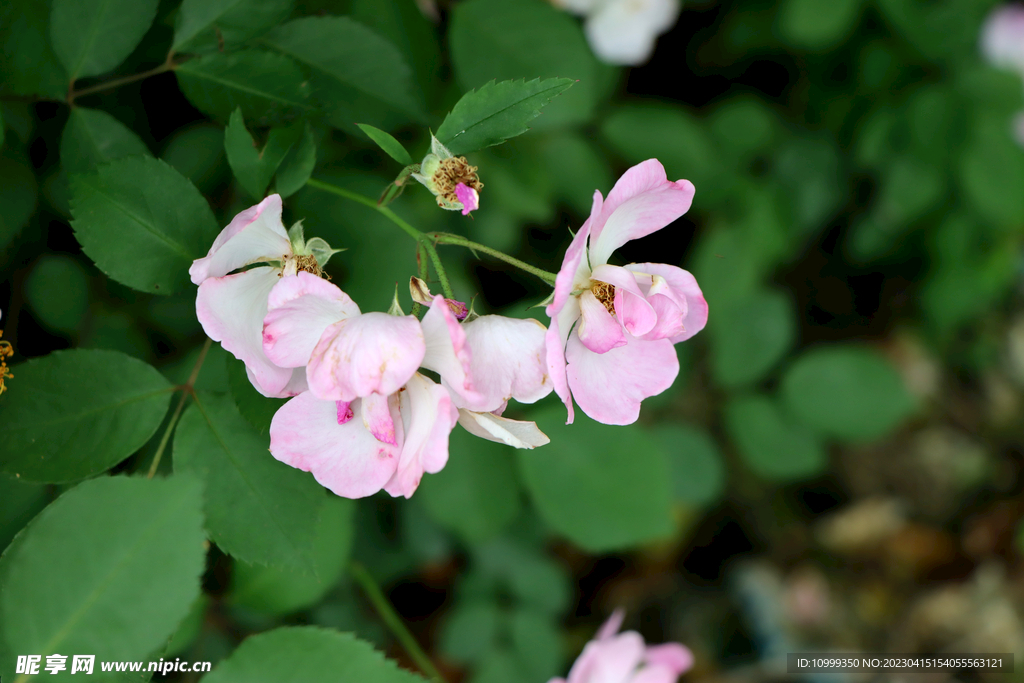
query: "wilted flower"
451, 179
614, 657
6, 351
612, 328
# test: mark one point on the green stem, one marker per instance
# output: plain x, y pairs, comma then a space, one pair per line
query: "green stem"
185, 393
366, 201
393, 621
168, 65
448, 238
442, 276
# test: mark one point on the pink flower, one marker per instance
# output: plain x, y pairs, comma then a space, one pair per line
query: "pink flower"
612, 329
1002, 38
469, 198
614, 657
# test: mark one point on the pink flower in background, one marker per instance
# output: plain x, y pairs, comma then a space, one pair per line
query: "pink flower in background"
614, 657
231, 306
610, 343
1002, 37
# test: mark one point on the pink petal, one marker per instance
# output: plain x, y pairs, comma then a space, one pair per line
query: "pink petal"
256, 234
428, 417
508, 361
378, 420
673, 656
612, 660
598, 330
300, 308
366, 354
344, 411
610, 386
612, 625
631, 306
515, 433
231, 311
655, 673
468, 197
643, 201
574, 271
554, 344
684, 289
343, 457
446, 351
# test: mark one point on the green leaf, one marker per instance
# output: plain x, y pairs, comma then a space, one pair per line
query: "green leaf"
476, 495
606, 488
471, 630
354, 69
109, 568
268, 87
523, 39
78, 413
697, 469
750, 335
537, 642
92, 137
257, 409
92, 37
197, 152
744, 127
276, 591
142, 223
848, 392
531, 577
57, 290
388, 143
497, 112
817, 24
209, 25
18, 193
27, 61
992, 175
307, 653
297, 166
254, 167
770, 444
257, 509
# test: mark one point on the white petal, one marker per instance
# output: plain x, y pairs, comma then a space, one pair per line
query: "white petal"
515, 433
256, 234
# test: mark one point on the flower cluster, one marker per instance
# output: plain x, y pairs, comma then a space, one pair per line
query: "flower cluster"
1002, 42
375, 395
614, 657
624, 31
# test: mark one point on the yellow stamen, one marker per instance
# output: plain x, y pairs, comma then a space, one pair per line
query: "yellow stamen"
450, 173
6, 351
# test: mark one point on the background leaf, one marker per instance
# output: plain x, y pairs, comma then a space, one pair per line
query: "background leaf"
257, 509
209, 25
91, 37
750, 335
79, 413
92, 137
126, 536
388, 143
254, 167
305, 653
142, 223
257, 409
298, 164
848, 392
603, 487
695, 462
770, 443
496, 112
27, 61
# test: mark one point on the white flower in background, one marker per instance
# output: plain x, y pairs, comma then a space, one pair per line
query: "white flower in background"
1002, 43
624, 31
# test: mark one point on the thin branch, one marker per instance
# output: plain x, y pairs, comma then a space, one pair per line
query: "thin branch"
186, 391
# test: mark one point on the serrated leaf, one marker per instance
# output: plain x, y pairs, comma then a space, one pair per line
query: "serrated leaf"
606, 488
525, 39
297, 166
257, 509
307, 653
276, 591
92, 137
80, 578
78, 413
386, 142
91, 37
27, 61
771, 444
476, 495
208, 25
142, 223
354, 70
268, 87
257, 409
496, 112
254, 167
848, 392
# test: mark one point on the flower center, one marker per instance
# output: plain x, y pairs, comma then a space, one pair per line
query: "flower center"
450, 173
605, 293
6, 351
308, 264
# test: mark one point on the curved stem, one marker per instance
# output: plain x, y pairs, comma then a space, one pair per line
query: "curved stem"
186, 391
442, 276
448, 238
168, 65
366, 201
394, 622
